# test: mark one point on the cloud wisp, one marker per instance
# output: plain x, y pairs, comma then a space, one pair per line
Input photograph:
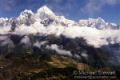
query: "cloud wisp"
7, 5
93, 6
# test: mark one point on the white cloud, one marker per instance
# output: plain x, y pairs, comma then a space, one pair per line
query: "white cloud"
85, 55
37, 44
7, 5
60, 51
25, 40
93, 6
112, 2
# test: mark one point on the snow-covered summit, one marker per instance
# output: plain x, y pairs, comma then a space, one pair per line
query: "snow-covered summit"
44, 9
26, 12
97, 23
3, 21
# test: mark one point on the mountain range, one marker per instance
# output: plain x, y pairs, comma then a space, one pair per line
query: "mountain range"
93, 41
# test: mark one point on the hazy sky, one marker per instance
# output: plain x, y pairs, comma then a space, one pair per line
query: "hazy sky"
72, 9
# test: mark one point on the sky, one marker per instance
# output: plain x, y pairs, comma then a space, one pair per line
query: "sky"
109, 10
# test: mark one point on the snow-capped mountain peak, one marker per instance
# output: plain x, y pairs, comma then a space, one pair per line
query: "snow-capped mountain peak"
46, 17
26, 12
99, 19
3, 19
45, 10
97, 23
